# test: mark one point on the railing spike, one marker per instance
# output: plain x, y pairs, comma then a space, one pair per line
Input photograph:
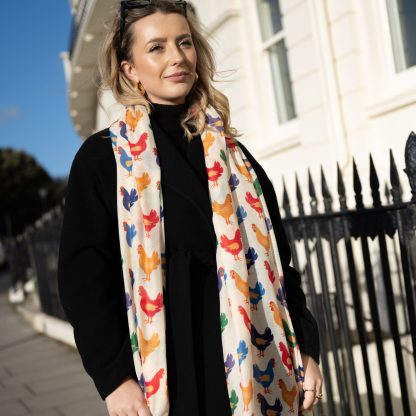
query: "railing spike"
311, 186
357, 186
387, 192
286, 201
299, 196
410, 160
374, 184
326, 194
341, 189
312, 193
396, 189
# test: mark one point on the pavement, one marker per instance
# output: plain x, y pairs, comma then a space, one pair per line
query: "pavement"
39, 375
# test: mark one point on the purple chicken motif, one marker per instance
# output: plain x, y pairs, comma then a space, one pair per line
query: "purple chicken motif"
128, 301
229, 365
215, 122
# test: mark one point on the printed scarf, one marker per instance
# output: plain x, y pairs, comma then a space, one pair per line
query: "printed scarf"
262, 361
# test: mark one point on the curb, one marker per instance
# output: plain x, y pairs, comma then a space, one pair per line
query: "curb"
48, 325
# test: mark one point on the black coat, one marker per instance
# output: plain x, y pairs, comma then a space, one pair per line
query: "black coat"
91, 283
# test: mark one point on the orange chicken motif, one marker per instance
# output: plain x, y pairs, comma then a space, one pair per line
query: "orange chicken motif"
288, 396
147, 264
245, 172
147, 346
276, 315
207, 142
241, 284
247, 394
142, 182
133, 119
225, 209
150, 306
263, 239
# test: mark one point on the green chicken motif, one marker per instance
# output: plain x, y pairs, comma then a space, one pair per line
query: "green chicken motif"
134, 342
233, 401
290, 335
224, 321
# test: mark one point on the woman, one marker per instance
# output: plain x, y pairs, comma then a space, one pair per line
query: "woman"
168, 192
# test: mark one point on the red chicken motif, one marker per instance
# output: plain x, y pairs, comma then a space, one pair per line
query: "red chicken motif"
150, 306
286, 359
231, 144
136, 149
150, 220
233, 246
255, 204
215, 172
270, 272
153, 385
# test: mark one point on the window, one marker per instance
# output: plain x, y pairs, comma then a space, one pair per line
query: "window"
273, 38
402, 19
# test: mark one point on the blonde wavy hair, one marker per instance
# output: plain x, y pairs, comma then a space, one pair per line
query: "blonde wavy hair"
202, 94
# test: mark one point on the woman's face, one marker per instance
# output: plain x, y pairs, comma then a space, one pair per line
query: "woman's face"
162, 47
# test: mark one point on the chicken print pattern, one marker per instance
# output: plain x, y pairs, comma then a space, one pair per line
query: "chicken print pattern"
262, 361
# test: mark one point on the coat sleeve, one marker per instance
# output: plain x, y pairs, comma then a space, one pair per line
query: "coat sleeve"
90, 280
304, 323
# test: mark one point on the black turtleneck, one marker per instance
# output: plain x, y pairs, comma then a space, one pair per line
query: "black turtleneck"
168, 119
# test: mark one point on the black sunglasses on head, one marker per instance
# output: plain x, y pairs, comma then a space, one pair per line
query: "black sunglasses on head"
126, 5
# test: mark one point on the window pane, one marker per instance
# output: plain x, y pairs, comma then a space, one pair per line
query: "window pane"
270, 18
402, 20
281, 82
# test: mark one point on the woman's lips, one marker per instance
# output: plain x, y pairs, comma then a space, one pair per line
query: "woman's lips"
177, 78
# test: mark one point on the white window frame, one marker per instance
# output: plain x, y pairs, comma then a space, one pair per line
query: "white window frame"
397, 89
277, 135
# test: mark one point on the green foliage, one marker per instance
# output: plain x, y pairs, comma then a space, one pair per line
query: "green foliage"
26, 191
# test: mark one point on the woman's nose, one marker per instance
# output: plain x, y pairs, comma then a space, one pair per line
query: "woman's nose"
176, 54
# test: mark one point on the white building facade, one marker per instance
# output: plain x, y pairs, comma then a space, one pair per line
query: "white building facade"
310, 82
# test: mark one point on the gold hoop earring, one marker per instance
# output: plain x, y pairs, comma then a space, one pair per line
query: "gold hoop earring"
141, 89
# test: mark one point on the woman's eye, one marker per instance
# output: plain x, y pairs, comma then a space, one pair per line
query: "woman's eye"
157, 47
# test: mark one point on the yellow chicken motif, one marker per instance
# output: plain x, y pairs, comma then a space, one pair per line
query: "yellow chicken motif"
207, 142
133, 119
276, 315
245, 172
247, 394
241, 285
225, 209
263, 239
142, 182
147, 346
147, 264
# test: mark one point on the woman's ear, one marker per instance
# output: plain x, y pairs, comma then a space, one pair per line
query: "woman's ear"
130, 72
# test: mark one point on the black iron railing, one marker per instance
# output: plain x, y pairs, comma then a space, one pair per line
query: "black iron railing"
360, 269
329, 247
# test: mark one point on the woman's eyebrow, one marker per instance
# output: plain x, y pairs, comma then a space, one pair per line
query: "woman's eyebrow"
180, 37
